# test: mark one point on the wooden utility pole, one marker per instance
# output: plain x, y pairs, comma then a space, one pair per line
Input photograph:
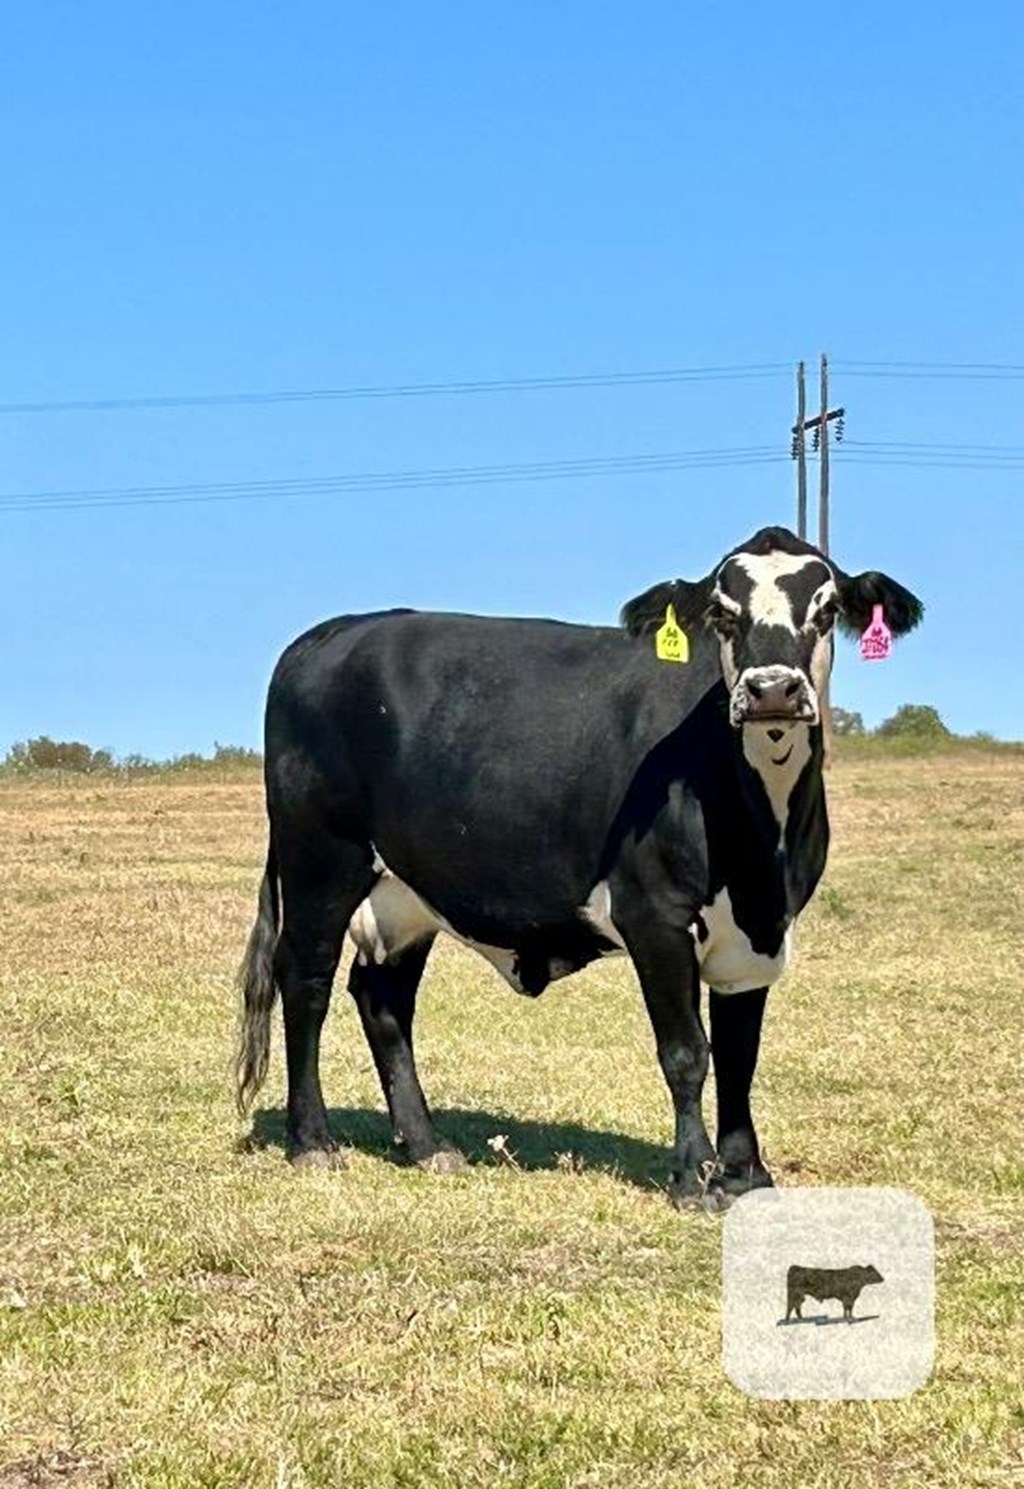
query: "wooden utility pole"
823, 418
818, 425
800, 452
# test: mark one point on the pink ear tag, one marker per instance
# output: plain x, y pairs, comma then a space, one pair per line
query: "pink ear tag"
876, 642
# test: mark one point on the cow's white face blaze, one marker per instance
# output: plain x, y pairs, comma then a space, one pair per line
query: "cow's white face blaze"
773, 615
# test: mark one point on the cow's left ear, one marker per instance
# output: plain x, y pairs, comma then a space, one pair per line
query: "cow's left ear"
860, 593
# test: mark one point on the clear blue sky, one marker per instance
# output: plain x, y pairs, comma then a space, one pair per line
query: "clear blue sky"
215, 198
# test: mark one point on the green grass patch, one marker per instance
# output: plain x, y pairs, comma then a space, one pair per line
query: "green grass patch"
177, 1307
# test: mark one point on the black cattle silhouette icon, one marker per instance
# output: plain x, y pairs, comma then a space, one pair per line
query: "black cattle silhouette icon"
821, 1283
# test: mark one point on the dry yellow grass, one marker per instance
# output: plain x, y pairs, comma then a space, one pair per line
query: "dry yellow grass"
177, 1312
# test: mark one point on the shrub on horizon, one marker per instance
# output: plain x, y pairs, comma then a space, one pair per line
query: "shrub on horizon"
918, 720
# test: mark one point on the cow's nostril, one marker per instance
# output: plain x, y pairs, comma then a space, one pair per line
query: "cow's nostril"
792, 688
754, 688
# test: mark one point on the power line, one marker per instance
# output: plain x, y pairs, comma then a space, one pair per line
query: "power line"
404, 390
949, 462
862, 452
935, 366
995, 450
969, 371
429, 472
368, 483
1006, 371
972, 457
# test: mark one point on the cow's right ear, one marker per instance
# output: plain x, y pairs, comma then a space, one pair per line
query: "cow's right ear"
647, 612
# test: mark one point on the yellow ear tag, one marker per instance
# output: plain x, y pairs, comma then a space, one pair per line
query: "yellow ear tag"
670, 643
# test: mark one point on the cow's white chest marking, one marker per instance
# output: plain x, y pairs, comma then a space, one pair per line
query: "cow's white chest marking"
728, 962
778, 762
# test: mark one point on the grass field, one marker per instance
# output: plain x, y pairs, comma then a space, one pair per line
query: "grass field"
178, 1307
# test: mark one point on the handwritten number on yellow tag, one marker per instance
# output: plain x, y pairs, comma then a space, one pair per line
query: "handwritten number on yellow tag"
670, 642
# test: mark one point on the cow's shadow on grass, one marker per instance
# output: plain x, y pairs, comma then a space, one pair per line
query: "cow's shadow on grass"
526, 1144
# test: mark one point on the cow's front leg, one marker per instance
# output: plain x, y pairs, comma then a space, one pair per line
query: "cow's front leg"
735, 1039
667, 968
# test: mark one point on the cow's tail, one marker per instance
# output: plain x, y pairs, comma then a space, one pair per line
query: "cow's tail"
258, 990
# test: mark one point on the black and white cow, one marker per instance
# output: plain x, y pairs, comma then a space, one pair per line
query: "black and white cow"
549, 794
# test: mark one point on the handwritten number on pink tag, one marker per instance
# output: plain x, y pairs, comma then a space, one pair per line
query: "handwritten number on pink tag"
876, 642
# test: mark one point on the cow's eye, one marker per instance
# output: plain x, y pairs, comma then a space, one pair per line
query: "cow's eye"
723, 620
824, 616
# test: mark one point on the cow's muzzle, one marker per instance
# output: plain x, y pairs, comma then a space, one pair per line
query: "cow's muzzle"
765, 693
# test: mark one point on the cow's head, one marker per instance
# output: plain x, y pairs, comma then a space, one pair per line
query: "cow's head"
773, 603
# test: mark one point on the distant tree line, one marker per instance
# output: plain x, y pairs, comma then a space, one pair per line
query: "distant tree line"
914, 723
44, 753
911, 720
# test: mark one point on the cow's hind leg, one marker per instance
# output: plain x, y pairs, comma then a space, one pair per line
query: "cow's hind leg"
385, 994
321, 888
735, 1039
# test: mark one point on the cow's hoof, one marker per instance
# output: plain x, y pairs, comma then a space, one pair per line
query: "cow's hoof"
728, 1184
702, 1202
307, 1158
715, 1201
444, 1161
687, 1191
